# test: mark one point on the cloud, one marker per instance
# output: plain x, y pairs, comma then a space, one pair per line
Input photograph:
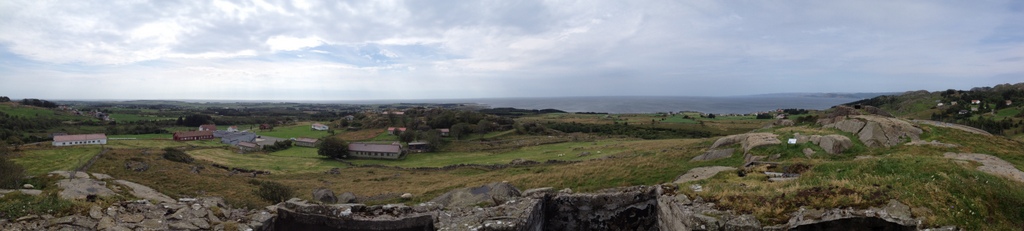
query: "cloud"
453, 49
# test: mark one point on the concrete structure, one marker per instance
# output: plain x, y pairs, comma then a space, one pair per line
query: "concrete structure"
319, 127
82, 139
235, 137
193, 135
233, 129
249, 147
208, 127
375, 151
306, 142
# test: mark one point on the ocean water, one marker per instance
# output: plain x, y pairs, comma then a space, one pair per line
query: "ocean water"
650, 104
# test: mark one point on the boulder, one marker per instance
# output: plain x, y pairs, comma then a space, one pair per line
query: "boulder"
406, 196
714, 155
878, 131
701, 173
747, 141
851, 126
496, 193
145, 192
539, 192
346, 197
28, 186
80, 188
784, 123
835, 144
324, 195
808, 152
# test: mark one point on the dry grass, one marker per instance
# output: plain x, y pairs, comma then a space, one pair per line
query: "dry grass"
364, 134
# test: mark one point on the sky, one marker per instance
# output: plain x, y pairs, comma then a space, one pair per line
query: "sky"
364, 50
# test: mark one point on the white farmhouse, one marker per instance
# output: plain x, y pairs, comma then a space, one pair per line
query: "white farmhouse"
81, 139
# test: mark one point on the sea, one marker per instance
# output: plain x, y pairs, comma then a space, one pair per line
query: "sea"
650, 104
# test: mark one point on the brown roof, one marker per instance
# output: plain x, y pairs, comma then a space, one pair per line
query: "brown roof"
443, 130
248, 145
367, 147
393, 128
193, 133
80, 137
210, 127
306, 140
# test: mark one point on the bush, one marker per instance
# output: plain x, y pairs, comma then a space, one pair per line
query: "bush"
10, 173
176, 155
272, 192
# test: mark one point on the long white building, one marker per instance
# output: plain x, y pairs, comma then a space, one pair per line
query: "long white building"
81, 139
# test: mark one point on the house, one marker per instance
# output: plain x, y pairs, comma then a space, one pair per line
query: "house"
208, 127
974, 108
237, 137
395, 131
350, 117
952, 103
393, 113
940, 105
444, 131
1009, 102
319, 127
975, 101
81, 139
306, 142
249, 147
962, 112
193, 135
233, 129
419, 146
375, 151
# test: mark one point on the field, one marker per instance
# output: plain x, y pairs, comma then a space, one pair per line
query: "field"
135, 117
294, 131
42, 161
30, 112
160, 144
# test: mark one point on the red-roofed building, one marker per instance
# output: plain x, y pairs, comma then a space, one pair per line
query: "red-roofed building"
375, 151
444, 131
193, 135
208, 127
395, 131
82, 139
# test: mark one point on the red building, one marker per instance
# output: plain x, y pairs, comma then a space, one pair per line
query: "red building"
193, 135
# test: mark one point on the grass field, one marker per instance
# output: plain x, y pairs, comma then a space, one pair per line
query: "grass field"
15, 109
160, 144
144, 136
561, 151
135, 117
295, 131
42, 161
290, 161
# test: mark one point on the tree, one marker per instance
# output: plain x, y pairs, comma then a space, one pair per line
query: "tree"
461, 129
333, 147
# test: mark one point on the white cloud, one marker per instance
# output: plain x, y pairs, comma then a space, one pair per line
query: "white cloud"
288, 43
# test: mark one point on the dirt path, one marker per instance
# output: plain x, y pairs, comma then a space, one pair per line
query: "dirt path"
701, 173
990, 164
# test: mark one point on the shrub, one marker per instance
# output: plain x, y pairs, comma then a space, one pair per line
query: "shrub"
176, 155
10, 173
272, 192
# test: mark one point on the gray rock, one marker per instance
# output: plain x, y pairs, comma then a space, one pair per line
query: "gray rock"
565, 191
324, 195
701, 173
808, 152
851, 126
80, 188
714, 155
201, 223
70, 174
539, 192
153, 224
105, 223
145, 192
742, 223
747, 141
181, 225
493, 193
346, 197
95, 212
835, 144
28, 186
406, 196
101, 176
131, 218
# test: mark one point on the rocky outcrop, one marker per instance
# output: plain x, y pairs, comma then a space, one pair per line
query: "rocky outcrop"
632, 208
990, 164
324, 195
493, 193
714, 155
701, 173
893, 216
145, 192
747, 141
877, 131
187, 214
297, 214
82, 188
834, 144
